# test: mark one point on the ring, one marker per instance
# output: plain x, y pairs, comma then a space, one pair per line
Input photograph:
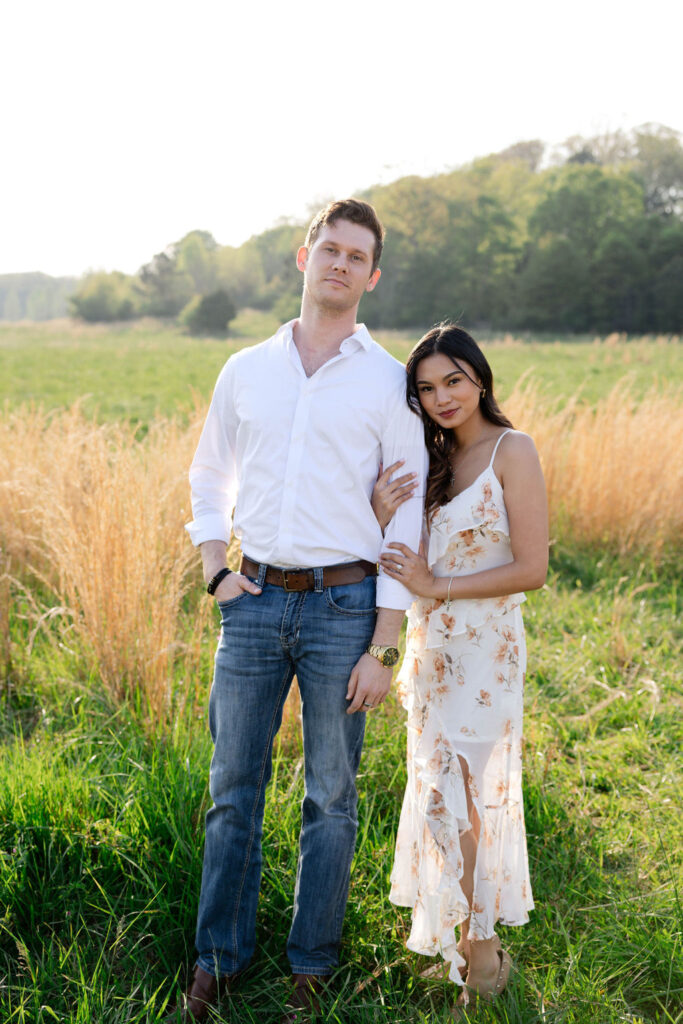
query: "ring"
366, 705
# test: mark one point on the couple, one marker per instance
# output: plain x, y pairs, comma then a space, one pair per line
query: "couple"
288, 461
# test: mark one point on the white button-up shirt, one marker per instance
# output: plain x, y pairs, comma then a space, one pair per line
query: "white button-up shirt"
297, 457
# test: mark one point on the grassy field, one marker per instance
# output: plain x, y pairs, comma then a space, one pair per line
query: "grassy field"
104, 748
136, 371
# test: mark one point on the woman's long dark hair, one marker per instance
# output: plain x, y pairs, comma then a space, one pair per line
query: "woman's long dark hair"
456, 344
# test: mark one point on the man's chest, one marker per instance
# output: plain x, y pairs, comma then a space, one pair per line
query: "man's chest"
346, 413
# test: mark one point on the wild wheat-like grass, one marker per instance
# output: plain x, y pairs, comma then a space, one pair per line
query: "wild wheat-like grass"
95, 517
613, 472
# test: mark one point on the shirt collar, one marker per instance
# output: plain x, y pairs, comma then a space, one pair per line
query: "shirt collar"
360, 337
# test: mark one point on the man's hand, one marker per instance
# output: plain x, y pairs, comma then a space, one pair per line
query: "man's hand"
233, 585
369, 684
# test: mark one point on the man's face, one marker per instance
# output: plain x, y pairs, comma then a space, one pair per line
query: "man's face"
338, 266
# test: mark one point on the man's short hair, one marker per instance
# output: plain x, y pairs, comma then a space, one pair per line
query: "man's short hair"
357, 212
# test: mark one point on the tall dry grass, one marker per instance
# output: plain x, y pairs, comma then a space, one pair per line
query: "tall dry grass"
614, 472
91, 521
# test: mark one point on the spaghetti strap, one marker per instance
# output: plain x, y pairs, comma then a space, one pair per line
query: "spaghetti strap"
497, 443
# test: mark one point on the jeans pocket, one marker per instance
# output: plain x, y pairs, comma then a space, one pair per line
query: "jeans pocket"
224, 605
353, 598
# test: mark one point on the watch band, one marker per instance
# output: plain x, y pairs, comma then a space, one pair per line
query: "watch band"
215, 580
386, 655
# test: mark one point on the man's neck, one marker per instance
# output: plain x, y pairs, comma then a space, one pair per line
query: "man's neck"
318, 334
324, 329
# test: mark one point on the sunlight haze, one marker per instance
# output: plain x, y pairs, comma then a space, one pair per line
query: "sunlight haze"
128, 125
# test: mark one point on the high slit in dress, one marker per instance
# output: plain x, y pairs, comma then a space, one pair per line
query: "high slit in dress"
461, 684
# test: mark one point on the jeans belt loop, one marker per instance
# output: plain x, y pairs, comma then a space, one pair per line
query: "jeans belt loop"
262, 570
318, 576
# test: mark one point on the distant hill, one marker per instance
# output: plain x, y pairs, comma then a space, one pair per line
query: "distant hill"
35, 296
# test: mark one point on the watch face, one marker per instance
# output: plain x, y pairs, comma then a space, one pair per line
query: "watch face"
390, 657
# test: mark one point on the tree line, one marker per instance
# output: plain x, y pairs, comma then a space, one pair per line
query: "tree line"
589, 238
35, 296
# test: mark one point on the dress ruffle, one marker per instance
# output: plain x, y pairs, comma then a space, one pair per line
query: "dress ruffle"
445, 621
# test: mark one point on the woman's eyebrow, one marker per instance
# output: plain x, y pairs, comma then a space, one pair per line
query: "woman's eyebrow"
445, 377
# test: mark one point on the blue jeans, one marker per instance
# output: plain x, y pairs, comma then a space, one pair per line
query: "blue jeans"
266, 640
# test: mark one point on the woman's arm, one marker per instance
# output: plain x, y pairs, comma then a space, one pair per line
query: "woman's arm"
519, 470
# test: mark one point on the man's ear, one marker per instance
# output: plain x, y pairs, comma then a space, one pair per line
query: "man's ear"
301, 258
373, 280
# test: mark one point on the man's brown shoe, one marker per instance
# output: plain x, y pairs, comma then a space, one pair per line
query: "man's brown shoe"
204, 995
304, 1001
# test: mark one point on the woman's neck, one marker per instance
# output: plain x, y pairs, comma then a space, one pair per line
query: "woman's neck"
475, 429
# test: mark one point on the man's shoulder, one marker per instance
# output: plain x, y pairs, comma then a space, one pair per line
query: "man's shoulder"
252, 354
394, 370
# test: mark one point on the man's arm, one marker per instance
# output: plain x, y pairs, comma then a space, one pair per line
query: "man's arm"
213, 475
213, 480
370, 680
213, 560
403, 438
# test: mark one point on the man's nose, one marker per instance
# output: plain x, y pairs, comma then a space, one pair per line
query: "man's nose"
340, 262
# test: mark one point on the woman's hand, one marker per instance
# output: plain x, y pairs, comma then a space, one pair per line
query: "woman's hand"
408, 568
388, 495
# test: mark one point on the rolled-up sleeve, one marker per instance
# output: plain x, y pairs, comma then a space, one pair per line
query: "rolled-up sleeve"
403, 439
213, 473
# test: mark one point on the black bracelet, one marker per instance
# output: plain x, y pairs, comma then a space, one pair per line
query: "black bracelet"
215, 580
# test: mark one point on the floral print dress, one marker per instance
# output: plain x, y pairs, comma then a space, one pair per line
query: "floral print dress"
462, 685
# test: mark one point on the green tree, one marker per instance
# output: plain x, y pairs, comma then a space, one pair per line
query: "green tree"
195, 257
618, 283
240, 271
659, 165
105, 297
553, 289
12, 306
209, 314
163, 289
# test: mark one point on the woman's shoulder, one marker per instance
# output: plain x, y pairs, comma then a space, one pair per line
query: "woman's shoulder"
515, 440
515, 448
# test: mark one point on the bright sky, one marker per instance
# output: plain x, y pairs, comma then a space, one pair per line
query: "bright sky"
125, 125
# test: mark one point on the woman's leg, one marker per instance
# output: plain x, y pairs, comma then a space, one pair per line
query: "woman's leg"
481, 955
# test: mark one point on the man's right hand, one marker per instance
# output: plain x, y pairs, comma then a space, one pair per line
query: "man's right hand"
233, 585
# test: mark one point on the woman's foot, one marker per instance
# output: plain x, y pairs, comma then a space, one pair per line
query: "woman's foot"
484, 984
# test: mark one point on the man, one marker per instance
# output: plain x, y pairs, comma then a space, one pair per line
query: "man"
297, 428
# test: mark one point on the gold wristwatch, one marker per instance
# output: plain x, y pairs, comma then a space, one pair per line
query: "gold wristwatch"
387, 656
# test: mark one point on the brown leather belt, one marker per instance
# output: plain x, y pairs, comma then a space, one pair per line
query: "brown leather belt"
304, 579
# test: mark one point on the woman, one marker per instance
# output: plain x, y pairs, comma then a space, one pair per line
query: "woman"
461, 849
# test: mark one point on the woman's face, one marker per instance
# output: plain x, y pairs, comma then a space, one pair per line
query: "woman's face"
447, 394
